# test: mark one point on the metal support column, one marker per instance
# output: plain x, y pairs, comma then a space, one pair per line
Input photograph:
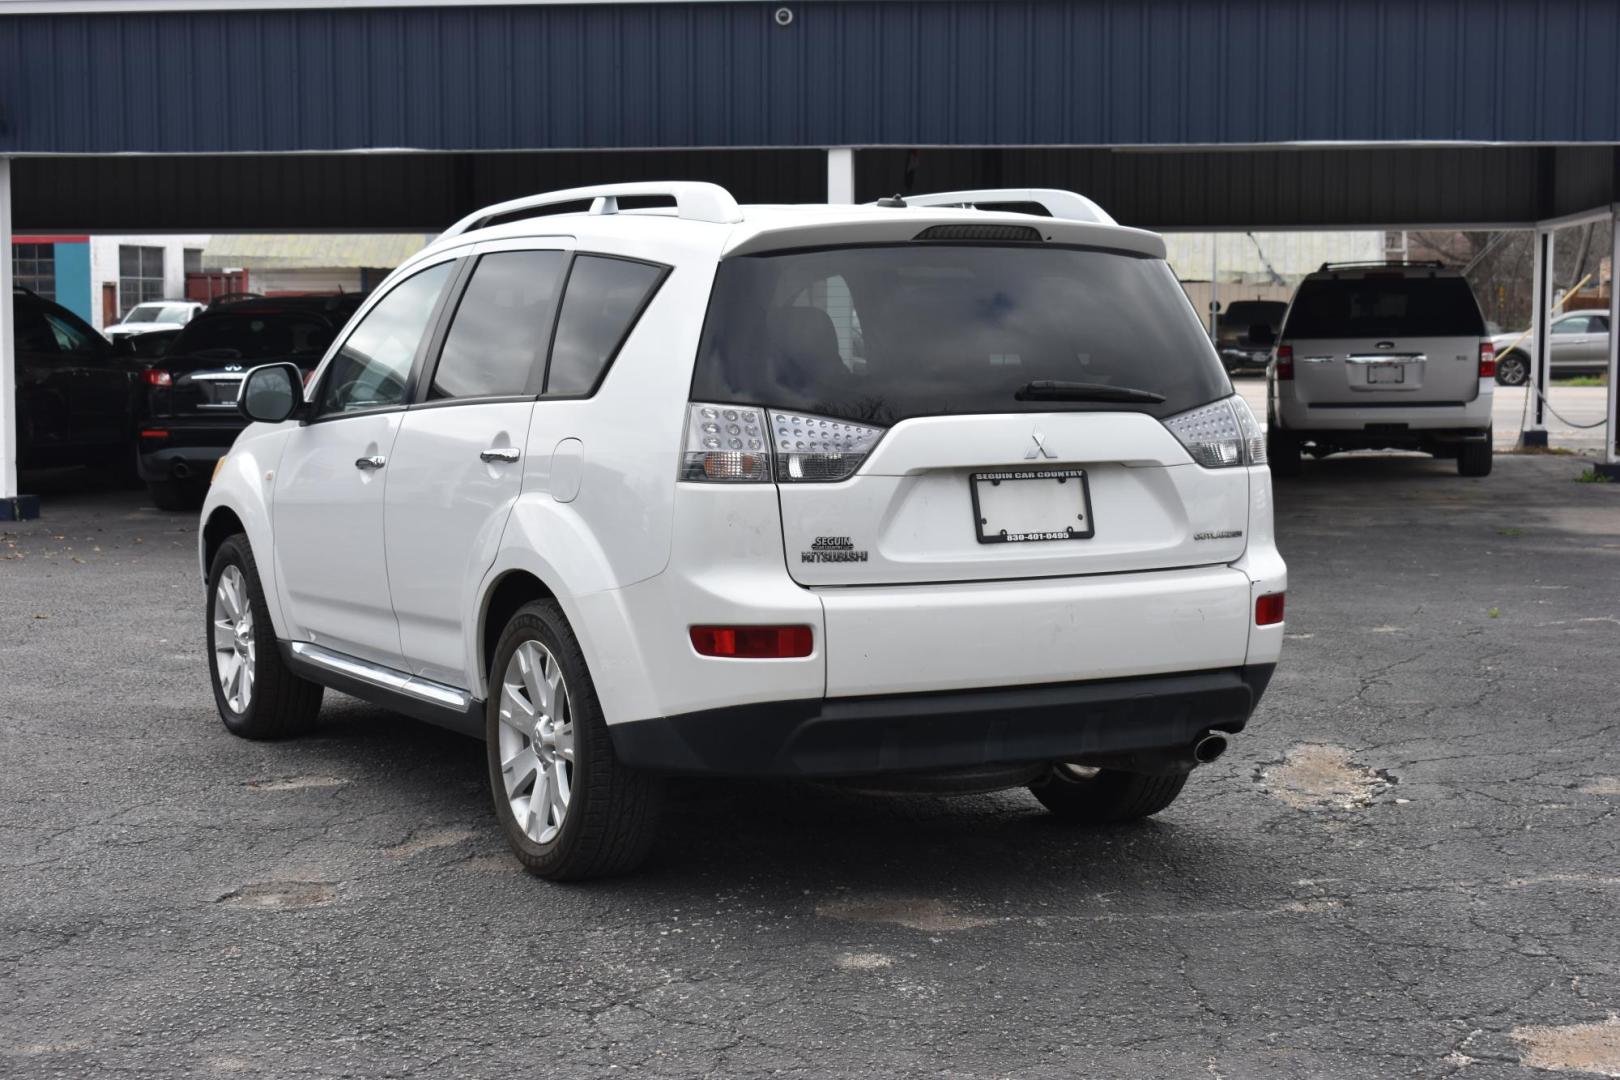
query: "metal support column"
1611, 434
841, 175
1535, 432
13, 507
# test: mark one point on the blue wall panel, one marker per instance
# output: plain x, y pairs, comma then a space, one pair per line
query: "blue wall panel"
73, 278
861, 72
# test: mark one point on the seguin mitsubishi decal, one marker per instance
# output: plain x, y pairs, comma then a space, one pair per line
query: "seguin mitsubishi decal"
832, 549
1225, 534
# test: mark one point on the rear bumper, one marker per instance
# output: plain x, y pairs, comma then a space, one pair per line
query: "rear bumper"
1114, 721
1387, 416
184, 451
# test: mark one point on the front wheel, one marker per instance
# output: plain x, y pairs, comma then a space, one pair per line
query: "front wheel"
258, 697
1087, 796
1512, 370
568, 808
175, 494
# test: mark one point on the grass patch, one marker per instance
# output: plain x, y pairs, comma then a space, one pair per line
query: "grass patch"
1494, 613
1510, 532
1591, 476
1583, 380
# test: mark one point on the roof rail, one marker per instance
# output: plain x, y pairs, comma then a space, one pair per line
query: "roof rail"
1431, 264
694, 200
1056, 202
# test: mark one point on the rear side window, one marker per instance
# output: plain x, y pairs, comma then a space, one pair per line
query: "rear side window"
880, 334
497, 341
605, 298
1379, 306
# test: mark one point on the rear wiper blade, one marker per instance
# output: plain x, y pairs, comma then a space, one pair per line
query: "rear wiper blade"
1058, 390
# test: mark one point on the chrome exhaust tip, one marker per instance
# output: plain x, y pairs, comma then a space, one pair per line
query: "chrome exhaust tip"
1210, 747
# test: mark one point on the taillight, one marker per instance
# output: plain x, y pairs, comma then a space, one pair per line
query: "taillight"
1220, 434
1268, 609
753, 642
1285, 361
154, 433
742, 444
1487, 360
157, 377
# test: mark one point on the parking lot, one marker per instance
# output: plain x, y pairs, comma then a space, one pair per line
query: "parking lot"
1407, 866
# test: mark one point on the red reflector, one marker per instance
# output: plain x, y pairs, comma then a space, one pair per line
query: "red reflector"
1487, 360
1268, 610
752, 642
1285, 361
154, 433
157, 377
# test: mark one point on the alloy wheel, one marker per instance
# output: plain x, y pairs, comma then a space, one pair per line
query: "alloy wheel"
536, 741
233, 639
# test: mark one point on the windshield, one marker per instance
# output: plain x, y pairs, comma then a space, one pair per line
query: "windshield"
254, 336
880, 334
1384, 306
146, 313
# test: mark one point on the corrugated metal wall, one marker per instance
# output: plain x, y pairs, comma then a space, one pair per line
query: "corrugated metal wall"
888, 72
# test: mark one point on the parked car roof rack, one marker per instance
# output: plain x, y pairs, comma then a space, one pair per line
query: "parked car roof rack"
226, 299
1429, 264
1056, 202
694, 200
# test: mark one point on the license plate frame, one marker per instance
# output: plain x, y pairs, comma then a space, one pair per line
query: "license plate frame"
991, 533
1386, 374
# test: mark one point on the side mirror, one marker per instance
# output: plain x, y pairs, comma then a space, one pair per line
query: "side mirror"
271, 393
1262, 334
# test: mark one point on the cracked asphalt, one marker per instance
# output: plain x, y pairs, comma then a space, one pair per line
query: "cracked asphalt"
1409, 865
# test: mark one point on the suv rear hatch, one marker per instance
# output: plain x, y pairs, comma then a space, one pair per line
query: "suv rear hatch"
201, 373
948, 412
1382, 338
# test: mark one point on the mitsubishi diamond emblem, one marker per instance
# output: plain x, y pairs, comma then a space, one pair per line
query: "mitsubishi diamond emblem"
1039, 449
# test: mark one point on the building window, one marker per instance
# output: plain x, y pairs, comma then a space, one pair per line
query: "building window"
140, 277
33, 266
193, 260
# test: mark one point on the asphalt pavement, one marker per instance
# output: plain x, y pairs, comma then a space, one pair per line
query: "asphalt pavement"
1408, 866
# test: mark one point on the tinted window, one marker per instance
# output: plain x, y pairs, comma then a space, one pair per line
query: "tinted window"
603, 300
256, 335
497, 343
884, 333
1376, 306
1575, 324
71, 335
372, 368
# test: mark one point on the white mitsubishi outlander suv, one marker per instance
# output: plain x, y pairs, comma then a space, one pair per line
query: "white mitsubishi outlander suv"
633, 481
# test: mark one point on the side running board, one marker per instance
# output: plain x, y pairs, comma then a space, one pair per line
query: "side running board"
424, 699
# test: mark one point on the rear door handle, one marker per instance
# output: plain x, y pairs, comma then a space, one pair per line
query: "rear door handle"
500, 453
375, 461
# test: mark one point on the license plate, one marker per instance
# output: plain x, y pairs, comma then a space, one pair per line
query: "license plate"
1024, 505
1387, 373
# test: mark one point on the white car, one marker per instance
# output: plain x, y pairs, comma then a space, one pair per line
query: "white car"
613, 491
1376, 356
155, 315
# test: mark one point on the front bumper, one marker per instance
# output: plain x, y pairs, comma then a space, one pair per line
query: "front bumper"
1113, 721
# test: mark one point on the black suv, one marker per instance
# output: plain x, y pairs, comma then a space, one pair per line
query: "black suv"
76, 391
1234, 335
190, 419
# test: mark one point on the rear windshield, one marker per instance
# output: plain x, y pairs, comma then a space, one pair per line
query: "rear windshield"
254, 336
1376, 306
880, 334
1248, 312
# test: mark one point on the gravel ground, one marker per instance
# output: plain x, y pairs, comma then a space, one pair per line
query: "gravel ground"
1407, 867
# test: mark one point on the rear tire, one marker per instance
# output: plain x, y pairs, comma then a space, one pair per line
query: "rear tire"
174, 494
257, 695
1282, 452
551, 758
1105, 795
1474, 457
1512, 369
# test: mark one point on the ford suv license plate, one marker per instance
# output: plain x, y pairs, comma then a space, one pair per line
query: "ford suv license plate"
1387, 373
1023, 505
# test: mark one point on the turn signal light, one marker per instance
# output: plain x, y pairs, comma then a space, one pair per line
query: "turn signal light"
157, 377
1487, 360
1268, 610
1285, 361
752, 642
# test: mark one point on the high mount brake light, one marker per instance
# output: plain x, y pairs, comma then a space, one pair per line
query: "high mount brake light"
743, 444
1487, 360
1285, 362
1220, 434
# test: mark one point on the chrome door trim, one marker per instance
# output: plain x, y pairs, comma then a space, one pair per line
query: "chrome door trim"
386, 677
